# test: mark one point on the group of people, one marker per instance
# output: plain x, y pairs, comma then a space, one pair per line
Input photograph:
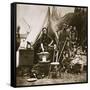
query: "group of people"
71, 51
64, 50
68, 33
67, 39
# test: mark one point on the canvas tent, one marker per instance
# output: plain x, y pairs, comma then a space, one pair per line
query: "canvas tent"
35, 16
32, 18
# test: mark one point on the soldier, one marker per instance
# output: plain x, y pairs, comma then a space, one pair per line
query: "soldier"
45, 40
73, 35
62, 36
43, 44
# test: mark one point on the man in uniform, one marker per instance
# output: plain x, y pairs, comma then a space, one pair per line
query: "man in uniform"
73, 35
43, 44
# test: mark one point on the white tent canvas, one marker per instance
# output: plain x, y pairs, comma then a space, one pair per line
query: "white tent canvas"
35, 16
32, 18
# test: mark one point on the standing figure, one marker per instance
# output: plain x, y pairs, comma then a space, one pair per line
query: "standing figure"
62, 37
73, 35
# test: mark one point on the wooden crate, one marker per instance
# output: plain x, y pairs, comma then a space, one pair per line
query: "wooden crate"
26, 57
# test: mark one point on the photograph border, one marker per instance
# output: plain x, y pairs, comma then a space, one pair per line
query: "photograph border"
13, 42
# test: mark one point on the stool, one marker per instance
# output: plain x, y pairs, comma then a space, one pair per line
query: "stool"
54, 70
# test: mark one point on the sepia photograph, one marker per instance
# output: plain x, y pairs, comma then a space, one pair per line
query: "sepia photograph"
51, 44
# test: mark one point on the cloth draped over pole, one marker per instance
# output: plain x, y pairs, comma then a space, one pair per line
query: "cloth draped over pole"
40, 22
45, 19
32, 18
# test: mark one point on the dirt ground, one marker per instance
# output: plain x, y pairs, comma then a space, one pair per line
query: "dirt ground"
65, 78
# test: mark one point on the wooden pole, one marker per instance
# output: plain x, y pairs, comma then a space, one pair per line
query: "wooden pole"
62, 49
